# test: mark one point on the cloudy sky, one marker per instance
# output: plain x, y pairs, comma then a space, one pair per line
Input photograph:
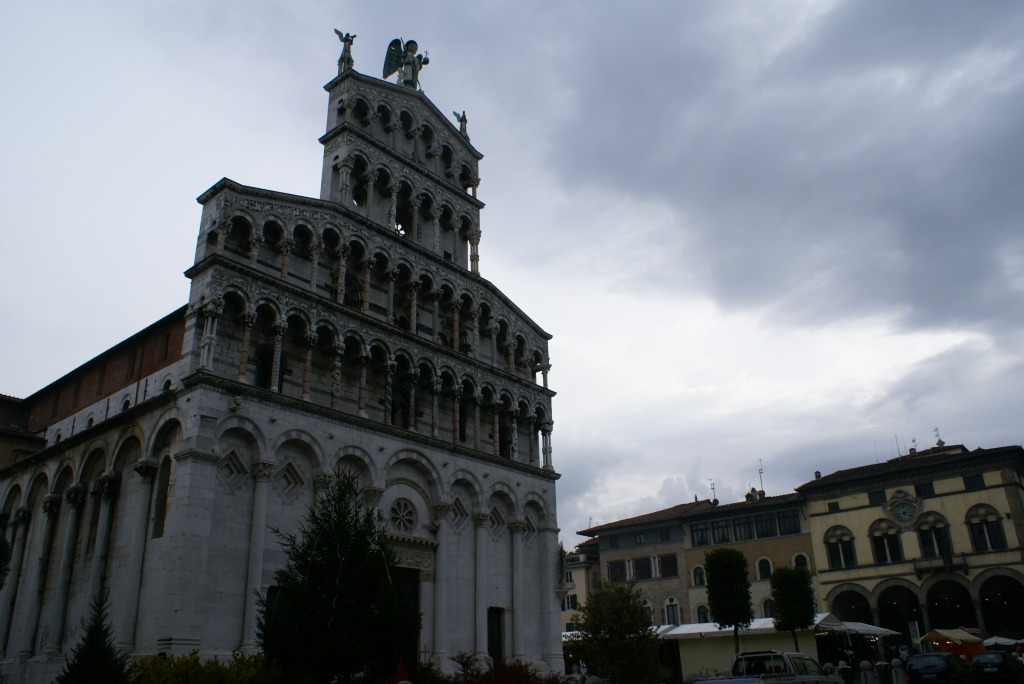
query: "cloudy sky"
779, 235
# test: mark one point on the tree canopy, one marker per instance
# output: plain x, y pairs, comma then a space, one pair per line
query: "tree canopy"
95, 660
614, 638
793, 595
728, 587
335, 613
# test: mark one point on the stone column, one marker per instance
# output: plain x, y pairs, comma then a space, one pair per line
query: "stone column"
51, 507
107, 487
434, 395
437, 233
22, 517
551, 635
314, 262
532, 446
435, 300
474, 249
339, 274
518, 528
346, 167
456, 307
254, 247
392, 277
261, 471
364, 361
146, 471
369, 179
456, 399
389, 381
545, 431
492, 329
441, 511
336, 373
275, 370
478, 401
475, 341
496, 433
513, 436
248, 320
480, 574
285, 247
414, 378
73, 496
392, 206
367, 268
510, 350
307, 367
211, 312
414, 289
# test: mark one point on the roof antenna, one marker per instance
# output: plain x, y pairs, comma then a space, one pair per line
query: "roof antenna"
711, 481
938, 439
760, 473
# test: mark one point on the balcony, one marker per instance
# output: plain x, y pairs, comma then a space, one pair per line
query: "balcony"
947, 563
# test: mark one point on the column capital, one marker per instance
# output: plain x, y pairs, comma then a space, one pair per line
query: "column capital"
51, 505
372, 495
261, 470
481, 519
73, 495
311, 340
517, 526
145, 469
214, 308
22, 515
286, 246
107, 485
545, 428
279, 329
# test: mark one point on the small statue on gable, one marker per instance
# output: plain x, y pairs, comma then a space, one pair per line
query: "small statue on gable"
345, 62
406, 62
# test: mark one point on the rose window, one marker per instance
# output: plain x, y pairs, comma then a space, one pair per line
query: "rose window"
403, 516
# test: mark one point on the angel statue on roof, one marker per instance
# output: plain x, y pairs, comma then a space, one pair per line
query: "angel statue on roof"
406, 62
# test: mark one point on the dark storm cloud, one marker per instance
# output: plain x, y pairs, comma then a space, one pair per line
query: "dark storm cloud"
871, 161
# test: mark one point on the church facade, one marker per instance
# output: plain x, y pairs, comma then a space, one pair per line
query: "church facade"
347, 333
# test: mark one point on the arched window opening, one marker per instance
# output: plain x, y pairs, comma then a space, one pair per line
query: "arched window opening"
702, 614
986, 528
933, 534
769, 608
839, 544
698, 576
885, 542
126, 404
764, 569
671, 611
800, 561
163, 483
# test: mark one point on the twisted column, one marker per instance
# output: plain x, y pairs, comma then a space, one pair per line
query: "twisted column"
456, 399
496, 433
248, 320
308, 365
414, 289
337, 376
414, 377
532, 446
389, 380
367, 267
456, 307
314, 261
275, 371
435, 395
392, 276
513, 436
435, 300
475, 339
478, 401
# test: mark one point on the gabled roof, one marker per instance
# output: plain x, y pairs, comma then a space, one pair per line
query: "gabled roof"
932, 461
662, 516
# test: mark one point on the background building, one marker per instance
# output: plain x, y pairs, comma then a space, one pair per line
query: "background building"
350, 332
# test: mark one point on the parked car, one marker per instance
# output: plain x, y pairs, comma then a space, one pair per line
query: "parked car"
775, 667
997, 666
926, 668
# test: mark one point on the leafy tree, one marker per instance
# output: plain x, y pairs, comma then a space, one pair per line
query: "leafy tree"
728, 586
335, 614
95, 660
614, 638
793, 595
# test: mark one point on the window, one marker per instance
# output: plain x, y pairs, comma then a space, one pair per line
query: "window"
617, 571
800, 561
668, 566
638, 538
885, 542
764, 569
720, 531
769, 608
671, 611
934, 537
665, 535
765, 524
698, 576
839, 545
986, 528
649, 609
973, 482
642, 569
699, 534
743, 528
923, 489
833, 506
703, 615
613, 542
789, 522
568, 577
570, 603
876, 498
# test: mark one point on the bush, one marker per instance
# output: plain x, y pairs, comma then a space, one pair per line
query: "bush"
189, 669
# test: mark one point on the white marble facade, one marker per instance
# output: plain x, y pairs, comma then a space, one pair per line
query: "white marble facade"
352, 332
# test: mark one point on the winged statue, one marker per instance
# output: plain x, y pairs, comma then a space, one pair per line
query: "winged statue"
405, 61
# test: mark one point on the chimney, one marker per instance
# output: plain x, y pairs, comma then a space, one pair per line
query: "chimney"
817, 474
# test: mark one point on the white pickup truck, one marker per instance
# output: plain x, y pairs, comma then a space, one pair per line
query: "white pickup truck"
774, 666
